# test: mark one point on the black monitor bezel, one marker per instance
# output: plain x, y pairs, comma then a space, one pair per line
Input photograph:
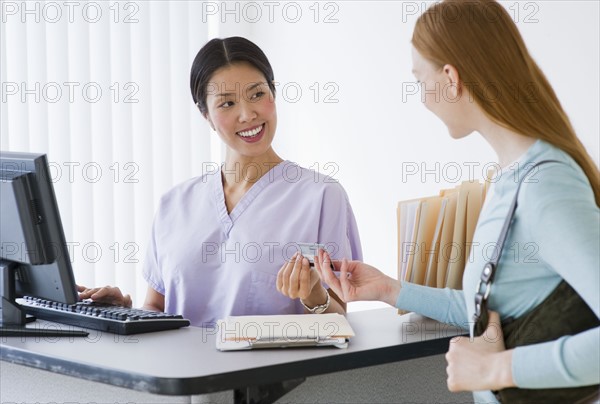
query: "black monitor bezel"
52, 280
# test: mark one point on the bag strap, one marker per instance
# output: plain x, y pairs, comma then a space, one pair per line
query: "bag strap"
490, 268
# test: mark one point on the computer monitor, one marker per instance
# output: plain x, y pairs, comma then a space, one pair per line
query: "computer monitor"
34, 259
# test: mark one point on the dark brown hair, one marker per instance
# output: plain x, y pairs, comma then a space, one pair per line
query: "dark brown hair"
218, 53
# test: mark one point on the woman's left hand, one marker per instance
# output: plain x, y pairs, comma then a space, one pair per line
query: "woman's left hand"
481, 363
296, 279
106, 294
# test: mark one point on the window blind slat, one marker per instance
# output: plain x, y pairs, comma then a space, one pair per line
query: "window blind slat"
70, 44
17, 81
46, 91
161, 90
101, 249
199, 129
143, 199
180, 121
125, 251
3, 104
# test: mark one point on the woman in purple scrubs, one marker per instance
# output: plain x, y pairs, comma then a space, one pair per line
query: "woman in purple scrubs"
219, 241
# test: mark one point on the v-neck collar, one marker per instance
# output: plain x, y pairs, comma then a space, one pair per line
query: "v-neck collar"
228, 219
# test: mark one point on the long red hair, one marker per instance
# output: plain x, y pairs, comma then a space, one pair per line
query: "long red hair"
479, 38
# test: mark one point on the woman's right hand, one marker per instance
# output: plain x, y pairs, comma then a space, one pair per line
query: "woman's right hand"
357, 281
106, 294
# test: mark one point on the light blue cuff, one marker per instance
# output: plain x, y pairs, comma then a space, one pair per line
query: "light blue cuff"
445, 305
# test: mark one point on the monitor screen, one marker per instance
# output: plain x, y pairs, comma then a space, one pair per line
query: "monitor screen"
32, 241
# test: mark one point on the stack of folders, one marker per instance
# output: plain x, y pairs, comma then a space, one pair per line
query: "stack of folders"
435, 235
283, 331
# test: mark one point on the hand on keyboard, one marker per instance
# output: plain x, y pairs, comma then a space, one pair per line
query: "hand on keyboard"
106, 294
103, 316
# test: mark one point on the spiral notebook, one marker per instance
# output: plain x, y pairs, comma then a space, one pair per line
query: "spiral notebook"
283, 331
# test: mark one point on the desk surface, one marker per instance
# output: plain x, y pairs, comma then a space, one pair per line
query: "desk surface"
186, 362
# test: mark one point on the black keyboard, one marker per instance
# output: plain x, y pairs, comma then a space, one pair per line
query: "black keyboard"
103, 317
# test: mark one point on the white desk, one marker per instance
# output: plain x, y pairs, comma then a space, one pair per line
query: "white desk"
185, 361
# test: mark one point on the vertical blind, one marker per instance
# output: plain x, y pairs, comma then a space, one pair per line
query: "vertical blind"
103, 89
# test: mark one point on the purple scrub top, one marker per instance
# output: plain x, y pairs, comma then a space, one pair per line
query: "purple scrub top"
210, 264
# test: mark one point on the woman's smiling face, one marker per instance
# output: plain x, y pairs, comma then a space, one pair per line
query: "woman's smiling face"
241, 109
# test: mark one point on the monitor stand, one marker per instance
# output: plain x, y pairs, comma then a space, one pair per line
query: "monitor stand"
13, 319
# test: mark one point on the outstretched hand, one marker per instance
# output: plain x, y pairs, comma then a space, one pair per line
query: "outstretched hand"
106, 294
357, 281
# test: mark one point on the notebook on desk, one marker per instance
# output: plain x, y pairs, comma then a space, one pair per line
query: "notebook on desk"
283, 331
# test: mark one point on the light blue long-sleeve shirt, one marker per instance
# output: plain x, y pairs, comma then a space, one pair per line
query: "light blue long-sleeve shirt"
555, 235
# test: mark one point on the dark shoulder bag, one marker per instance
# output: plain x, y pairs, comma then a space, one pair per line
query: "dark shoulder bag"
563, 312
